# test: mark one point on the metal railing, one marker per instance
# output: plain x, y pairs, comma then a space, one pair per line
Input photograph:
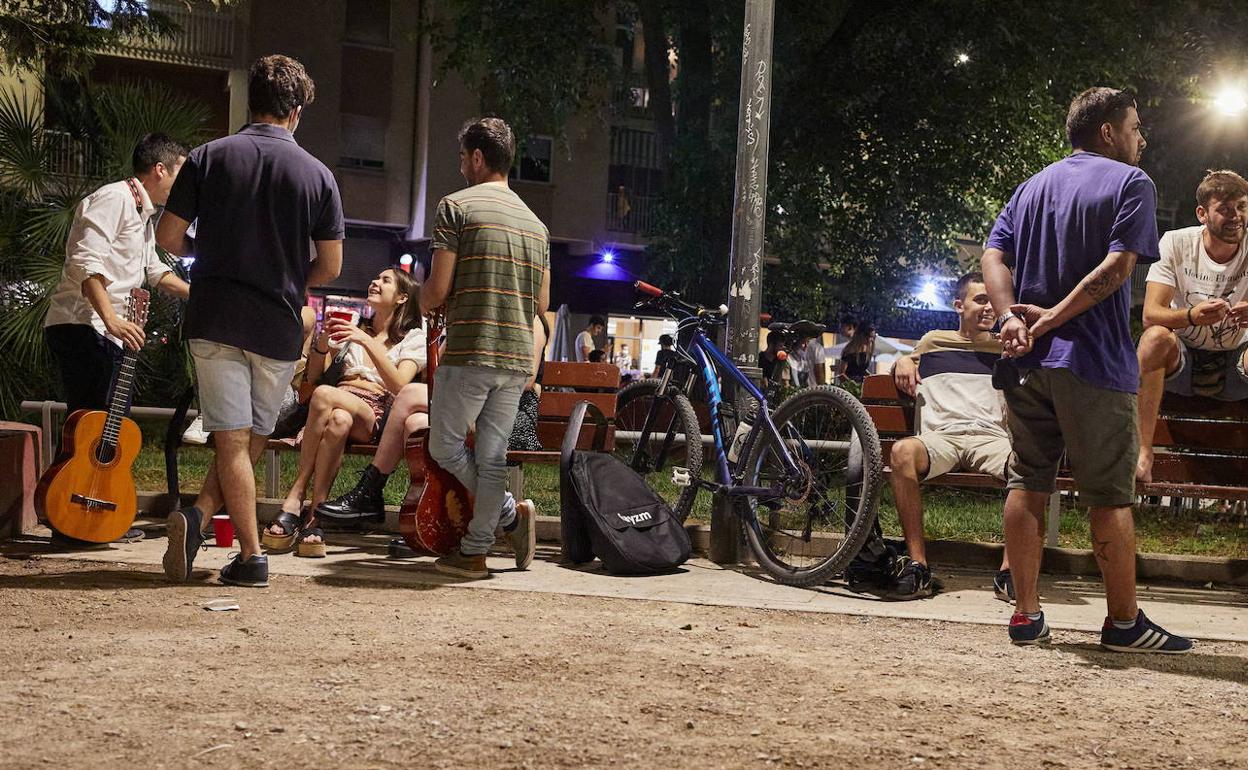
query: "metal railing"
70, 156
631, 213
205, 38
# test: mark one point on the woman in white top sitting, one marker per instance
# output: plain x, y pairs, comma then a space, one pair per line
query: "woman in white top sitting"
382, 356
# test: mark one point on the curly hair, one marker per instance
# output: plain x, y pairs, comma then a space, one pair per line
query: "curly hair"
276, 85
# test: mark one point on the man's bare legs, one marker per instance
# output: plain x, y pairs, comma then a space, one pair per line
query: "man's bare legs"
1158, 355
1113, 539
1113, 544
909, 463
231, 481
1024, 544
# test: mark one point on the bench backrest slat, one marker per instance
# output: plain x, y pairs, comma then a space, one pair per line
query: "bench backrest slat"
569, 374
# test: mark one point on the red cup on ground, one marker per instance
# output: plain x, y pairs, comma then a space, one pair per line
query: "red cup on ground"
223, 530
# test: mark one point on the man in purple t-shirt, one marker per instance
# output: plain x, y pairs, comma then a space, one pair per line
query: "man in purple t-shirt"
1071, 236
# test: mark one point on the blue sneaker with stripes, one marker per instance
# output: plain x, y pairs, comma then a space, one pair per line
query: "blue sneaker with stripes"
1024, 630
1144, 636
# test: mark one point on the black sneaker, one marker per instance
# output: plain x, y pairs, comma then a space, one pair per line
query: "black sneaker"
1024, 630
1144, 636
1003, 586
914, 581
866, 573
185, 540
253, 573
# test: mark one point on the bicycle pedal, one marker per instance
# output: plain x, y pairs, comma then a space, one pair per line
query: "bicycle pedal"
681, 477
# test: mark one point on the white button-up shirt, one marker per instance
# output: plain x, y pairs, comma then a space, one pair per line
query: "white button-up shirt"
111, 237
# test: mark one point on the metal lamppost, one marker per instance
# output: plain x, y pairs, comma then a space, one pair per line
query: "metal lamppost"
749, 220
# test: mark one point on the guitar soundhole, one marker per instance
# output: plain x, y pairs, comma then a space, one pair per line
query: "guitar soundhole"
105, 454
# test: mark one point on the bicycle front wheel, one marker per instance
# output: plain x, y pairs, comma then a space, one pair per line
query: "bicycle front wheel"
821, 516
655, 433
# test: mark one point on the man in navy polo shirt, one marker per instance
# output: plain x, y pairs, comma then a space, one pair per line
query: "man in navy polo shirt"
261, 201
1072, 235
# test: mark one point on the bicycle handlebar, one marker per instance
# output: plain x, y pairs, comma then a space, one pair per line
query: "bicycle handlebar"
645, 288
668, 300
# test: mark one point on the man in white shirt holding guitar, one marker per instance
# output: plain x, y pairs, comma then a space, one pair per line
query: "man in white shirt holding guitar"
111, 249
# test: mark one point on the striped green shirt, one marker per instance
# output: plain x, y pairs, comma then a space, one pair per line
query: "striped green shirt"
502, 253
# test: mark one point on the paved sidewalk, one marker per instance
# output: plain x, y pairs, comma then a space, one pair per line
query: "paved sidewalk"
1071, 603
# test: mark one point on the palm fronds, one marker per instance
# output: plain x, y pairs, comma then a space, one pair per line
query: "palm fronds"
23, 147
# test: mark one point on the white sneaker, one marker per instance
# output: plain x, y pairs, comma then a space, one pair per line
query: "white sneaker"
195, 433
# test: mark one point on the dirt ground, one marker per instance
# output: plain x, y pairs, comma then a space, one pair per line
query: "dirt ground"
109, 666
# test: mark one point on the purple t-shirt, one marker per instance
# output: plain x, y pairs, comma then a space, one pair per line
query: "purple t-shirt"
1059, 225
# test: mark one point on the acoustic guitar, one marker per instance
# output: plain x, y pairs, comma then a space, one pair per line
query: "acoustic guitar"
88, 493
435, 520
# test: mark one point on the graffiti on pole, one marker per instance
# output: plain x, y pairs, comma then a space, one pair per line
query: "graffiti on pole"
751, 197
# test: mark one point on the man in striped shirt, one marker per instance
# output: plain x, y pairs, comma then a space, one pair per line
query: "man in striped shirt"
491, 268
962, 425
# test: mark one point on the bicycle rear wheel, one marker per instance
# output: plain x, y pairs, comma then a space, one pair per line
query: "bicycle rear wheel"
672, 440
811, 532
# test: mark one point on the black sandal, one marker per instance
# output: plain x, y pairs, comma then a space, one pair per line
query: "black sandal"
283, 543
310, 550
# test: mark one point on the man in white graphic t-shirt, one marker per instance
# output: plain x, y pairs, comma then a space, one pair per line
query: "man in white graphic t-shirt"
1195, 309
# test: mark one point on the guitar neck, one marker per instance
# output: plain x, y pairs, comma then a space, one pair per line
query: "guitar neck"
119, 403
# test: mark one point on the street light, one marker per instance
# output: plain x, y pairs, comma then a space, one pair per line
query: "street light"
1231, 100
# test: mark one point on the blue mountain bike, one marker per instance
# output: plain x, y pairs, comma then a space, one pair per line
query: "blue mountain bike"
804, 479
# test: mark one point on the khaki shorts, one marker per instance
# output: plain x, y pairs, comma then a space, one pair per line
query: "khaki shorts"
978, 452
1055, 411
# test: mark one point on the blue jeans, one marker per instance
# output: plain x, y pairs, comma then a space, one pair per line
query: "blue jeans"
464, 396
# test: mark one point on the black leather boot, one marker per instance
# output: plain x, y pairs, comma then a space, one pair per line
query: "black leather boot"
364, 502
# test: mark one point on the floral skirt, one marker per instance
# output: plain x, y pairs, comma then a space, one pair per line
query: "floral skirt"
380, 403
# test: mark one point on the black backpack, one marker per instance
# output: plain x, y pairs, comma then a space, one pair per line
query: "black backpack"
610, 512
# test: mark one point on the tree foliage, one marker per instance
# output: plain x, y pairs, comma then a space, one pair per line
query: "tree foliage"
895, 126
537, 63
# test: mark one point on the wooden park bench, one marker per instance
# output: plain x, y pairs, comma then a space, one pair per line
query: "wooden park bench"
1202, 448
564, 384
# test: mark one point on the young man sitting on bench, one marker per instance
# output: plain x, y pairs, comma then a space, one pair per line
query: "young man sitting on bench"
1194, 309
962, 425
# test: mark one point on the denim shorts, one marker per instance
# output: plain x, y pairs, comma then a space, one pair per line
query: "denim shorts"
239, 389
1212, 373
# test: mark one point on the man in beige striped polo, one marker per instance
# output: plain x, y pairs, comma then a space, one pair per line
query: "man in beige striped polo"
491, 268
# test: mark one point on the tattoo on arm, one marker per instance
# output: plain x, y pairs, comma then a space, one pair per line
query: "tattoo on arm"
1099, 285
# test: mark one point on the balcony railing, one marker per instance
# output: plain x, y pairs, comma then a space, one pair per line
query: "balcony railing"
205, 38
69, 156
631, 213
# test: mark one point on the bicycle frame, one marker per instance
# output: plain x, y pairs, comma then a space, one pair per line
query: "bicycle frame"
712, 362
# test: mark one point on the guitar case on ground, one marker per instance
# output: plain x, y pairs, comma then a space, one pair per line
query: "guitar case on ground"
608, 511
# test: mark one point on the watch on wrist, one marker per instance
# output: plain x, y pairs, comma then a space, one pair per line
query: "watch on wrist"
1006, 316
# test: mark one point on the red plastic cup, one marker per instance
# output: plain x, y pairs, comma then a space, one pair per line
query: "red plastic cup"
350, 317
223, 530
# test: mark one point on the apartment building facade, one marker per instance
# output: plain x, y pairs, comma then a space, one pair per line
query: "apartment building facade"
385, 121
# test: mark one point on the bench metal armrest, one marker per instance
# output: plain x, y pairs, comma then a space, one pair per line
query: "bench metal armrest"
173, 438
573, 432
